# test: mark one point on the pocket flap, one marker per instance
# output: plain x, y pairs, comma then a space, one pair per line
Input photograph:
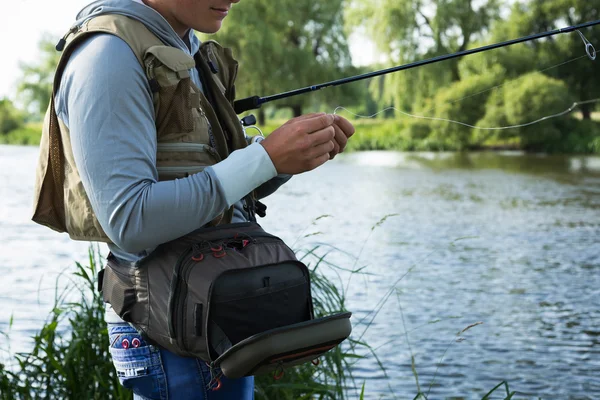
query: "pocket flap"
173, 58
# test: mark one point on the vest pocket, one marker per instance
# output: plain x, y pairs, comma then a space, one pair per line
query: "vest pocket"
178, 160
175, 108
175, 100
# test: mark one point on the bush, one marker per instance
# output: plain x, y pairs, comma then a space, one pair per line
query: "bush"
10, 117
27, 135
460, 102
526, 100
581, 136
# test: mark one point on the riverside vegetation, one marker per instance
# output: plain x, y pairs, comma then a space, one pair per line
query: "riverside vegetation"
302, 43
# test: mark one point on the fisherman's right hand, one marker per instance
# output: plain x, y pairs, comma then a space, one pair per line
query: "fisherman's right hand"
301, 144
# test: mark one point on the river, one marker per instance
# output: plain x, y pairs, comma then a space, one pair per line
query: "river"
505, 239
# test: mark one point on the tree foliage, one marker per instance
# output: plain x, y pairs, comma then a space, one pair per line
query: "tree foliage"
299, 43
408, 30
294, 44
526, 100
10, 117
457, 102
35, 86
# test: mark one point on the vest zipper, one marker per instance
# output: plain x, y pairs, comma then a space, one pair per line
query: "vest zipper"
181, 170
183, 147
186, 147
60, 46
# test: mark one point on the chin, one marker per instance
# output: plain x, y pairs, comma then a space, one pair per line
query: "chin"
209, 28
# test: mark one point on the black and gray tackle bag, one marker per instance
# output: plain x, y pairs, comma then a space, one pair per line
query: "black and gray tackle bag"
233, 296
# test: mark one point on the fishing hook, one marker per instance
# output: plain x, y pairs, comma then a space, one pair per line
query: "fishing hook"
589, 48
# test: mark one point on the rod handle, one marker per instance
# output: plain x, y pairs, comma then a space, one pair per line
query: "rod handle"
249, 103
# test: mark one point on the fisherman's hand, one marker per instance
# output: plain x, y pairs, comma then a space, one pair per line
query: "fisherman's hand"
343, 130
301, 144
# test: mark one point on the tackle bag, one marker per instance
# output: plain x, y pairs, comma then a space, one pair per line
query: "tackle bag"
233, 296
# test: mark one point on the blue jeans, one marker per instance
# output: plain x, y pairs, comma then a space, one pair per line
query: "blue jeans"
154, 373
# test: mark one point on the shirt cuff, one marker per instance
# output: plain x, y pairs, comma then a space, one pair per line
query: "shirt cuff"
243, 171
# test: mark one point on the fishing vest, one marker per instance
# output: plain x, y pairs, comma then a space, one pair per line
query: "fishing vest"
193, 129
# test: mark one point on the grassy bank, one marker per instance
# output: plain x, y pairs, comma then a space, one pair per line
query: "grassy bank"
576, 136
400, 135
30, 134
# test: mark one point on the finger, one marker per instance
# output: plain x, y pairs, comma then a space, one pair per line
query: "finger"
345, 125
335, 151
318, 151
317, 162
340, 138
314, 124
321, 136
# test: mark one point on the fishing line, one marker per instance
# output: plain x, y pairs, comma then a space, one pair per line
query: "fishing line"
590, 53
254, 102
568, 110
509, 81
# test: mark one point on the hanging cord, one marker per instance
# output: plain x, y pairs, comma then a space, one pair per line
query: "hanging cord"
590, 53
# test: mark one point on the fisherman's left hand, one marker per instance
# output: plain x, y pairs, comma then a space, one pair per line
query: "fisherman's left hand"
343, 131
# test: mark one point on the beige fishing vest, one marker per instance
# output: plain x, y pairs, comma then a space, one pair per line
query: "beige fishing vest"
190, 133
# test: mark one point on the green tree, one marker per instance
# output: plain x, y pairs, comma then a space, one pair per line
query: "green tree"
295, 44
468, 109
407, 30
10, 117
531, 16
35, 86
581, 77
526, 100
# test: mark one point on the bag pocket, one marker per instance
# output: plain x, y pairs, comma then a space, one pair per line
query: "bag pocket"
274, 296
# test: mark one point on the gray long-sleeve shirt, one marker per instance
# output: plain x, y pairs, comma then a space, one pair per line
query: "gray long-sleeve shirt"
105, 101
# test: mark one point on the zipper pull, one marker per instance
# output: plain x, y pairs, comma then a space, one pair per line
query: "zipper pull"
60, 46
212, 62
197, 254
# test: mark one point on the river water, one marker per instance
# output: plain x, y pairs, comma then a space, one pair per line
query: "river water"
505, 239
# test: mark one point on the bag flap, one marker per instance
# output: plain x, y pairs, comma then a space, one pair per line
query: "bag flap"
285, 347
173, 58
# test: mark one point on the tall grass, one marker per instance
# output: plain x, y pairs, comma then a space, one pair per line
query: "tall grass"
70, 357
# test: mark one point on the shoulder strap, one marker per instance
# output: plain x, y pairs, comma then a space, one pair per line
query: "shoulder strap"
131, 31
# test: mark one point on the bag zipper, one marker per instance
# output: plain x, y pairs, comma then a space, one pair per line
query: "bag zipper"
175, 298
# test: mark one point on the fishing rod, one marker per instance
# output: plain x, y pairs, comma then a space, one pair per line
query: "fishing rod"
254, 102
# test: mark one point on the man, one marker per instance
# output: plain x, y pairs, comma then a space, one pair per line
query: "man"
112, 101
